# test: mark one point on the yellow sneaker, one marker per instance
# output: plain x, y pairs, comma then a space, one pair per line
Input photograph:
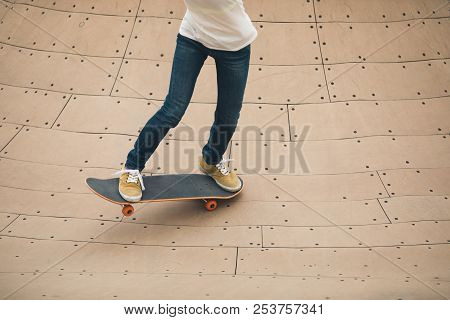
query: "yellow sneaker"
131, 184
224, 178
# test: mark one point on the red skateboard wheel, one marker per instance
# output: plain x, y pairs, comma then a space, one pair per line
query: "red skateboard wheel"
211, 205
127, 210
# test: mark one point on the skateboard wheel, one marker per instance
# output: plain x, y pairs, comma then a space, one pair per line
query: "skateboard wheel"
128, 210
211, 205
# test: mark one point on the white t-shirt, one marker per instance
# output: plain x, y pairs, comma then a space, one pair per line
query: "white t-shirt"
218, 24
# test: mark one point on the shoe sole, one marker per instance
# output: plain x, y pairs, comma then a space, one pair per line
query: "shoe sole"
221, 185
130, 199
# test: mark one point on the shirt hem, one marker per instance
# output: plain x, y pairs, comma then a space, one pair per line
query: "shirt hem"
190, 36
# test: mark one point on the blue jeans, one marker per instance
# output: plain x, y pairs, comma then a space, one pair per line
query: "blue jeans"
190, 55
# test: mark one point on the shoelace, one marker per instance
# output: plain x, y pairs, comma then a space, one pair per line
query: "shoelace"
134, 176
222, 167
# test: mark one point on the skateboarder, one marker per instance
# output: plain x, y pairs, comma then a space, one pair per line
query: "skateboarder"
220, 29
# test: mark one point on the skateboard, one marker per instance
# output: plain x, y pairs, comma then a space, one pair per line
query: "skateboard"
171, 187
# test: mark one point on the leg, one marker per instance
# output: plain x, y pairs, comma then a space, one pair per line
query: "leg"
187, 63
232, 71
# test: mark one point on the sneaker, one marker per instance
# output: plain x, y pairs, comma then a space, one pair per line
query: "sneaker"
227, 180
131, 184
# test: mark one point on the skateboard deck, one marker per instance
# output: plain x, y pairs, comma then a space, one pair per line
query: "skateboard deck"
171, 187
